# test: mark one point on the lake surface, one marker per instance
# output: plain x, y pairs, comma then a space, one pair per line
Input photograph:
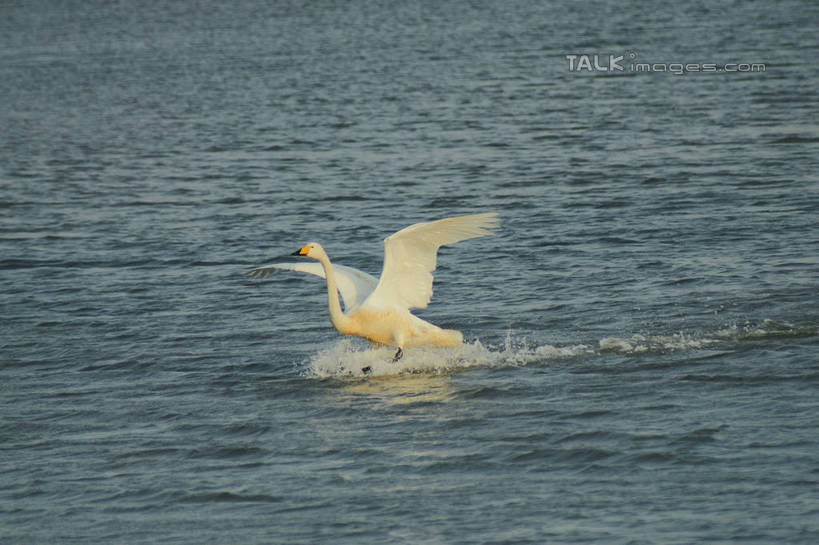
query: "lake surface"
641, 356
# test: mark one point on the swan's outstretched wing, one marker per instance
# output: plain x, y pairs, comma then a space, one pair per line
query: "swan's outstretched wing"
354, 285
410, 257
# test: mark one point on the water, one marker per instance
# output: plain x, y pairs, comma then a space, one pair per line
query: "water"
642, 335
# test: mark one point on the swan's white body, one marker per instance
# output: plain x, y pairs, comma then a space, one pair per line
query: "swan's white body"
379, 309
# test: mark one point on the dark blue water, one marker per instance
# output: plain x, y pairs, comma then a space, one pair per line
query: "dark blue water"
642, 335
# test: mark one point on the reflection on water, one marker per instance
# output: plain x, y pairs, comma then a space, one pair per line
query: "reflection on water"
405, 389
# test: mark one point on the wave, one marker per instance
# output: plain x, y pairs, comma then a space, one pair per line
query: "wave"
355, 358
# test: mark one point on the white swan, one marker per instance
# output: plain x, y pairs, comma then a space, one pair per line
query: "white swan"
379, 310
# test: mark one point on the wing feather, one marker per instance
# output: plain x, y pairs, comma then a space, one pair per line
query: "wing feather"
410, 256
354, 285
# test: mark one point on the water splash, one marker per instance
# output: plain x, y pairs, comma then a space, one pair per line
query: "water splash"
353, 358
639, 344
349, 358
767, 329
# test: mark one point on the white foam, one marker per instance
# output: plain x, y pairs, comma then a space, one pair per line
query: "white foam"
638, 344
351, 358
766, 330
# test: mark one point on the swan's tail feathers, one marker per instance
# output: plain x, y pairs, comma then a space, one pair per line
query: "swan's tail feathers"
452, 338
445, 338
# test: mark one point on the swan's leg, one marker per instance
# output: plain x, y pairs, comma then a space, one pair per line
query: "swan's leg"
398, 355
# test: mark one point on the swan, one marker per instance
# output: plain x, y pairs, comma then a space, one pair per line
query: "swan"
379, 309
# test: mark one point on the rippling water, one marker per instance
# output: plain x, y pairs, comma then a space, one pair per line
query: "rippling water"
642, 335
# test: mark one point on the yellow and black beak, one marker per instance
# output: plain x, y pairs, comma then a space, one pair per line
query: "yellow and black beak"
303, 251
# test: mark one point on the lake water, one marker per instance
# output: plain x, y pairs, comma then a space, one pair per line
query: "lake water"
641, 356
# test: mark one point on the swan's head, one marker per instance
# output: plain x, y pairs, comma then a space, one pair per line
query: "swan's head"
312, 250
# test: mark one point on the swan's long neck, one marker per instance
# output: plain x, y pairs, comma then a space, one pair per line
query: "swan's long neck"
338, 317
